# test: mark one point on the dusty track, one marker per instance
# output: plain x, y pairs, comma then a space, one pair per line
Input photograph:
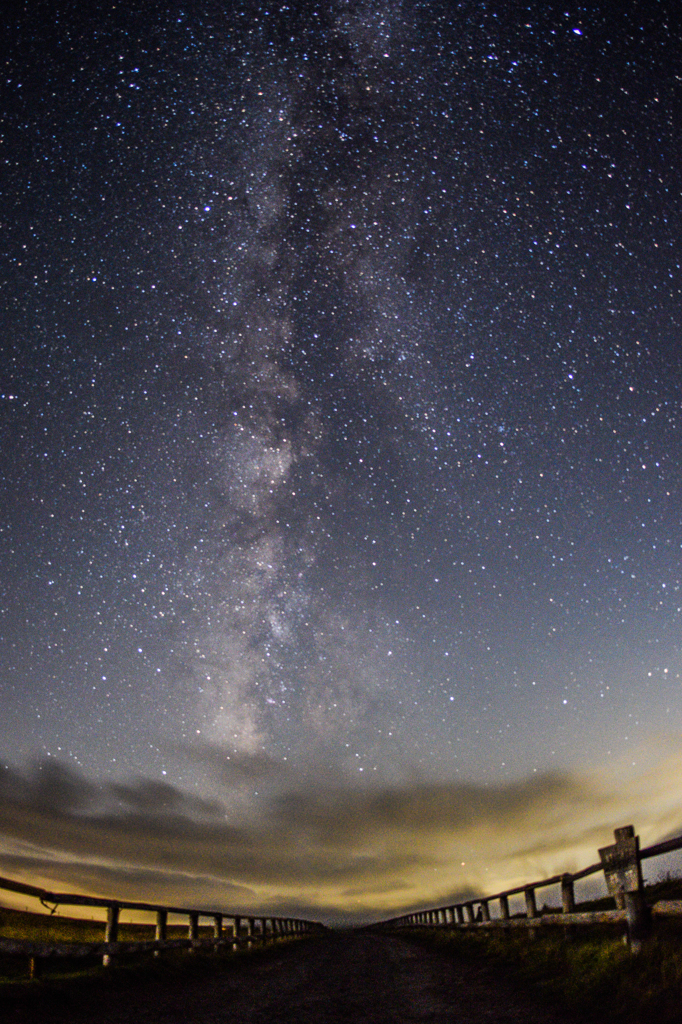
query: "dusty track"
357, 978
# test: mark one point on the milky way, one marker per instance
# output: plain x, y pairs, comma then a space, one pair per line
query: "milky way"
340, 406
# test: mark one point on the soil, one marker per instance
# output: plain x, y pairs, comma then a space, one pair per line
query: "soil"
355, 977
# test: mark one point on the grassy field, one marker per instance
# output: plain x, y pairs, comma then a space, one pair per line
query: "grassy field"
593, 973
18, 924
45, 928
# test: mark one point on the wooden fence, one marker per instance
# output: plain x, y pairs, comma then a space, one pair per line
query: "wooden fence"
621, 865
230, 931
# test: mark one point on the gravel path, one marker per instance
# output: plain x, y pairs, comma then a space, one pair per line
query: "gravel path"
354, 978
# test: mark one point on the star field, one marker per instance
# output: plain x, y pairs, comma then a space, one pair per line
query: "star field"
340, 404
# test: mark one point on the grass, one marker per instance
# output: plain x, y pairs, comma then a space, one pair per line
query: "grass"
72, 986
594, 974
20, 924
44, 928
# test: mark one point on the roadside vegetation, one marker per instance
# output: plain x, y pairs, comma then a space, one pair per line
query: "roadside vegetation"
19, 924
49, 929
594, 975
591, 971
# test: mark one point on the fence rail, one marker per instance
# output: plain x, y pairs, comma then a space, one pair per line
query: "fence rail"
621, 864
230, 931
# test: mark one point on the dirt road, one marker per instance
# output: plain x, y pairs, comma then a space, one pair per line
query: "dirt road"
343, 977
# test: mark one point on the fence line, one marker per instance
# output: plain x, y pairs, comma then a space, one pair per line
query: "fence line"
233, 931
621, 864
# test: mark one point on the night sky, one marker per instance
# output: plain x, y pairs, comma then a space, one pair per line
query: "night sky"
341, 446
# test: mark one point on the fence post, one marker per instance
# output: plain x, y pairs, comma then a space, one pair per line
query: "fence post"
567, 894
217, 929
504, 911
485, 910
111, 931
623, 873
161, 930
459, 910
568, 902
531, 910
193, 929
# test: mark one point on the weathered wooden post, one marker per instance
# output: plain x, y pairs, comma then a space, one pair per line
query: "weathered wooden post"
623, 873
217, 930
504, 911
469, 907
193, 930
161, 929
111, 931
568, 902
485, 910
531, 909
459, 910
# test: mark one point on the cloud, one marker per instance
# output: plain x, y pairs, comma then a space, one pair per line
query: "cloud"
316, 839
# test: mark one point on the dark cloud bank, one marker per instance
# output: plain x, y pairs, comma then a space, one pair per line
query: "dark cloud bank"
311, 842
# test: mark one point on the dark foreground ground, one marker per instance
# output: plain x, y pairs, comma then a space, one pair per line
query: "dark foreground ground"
353, 978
